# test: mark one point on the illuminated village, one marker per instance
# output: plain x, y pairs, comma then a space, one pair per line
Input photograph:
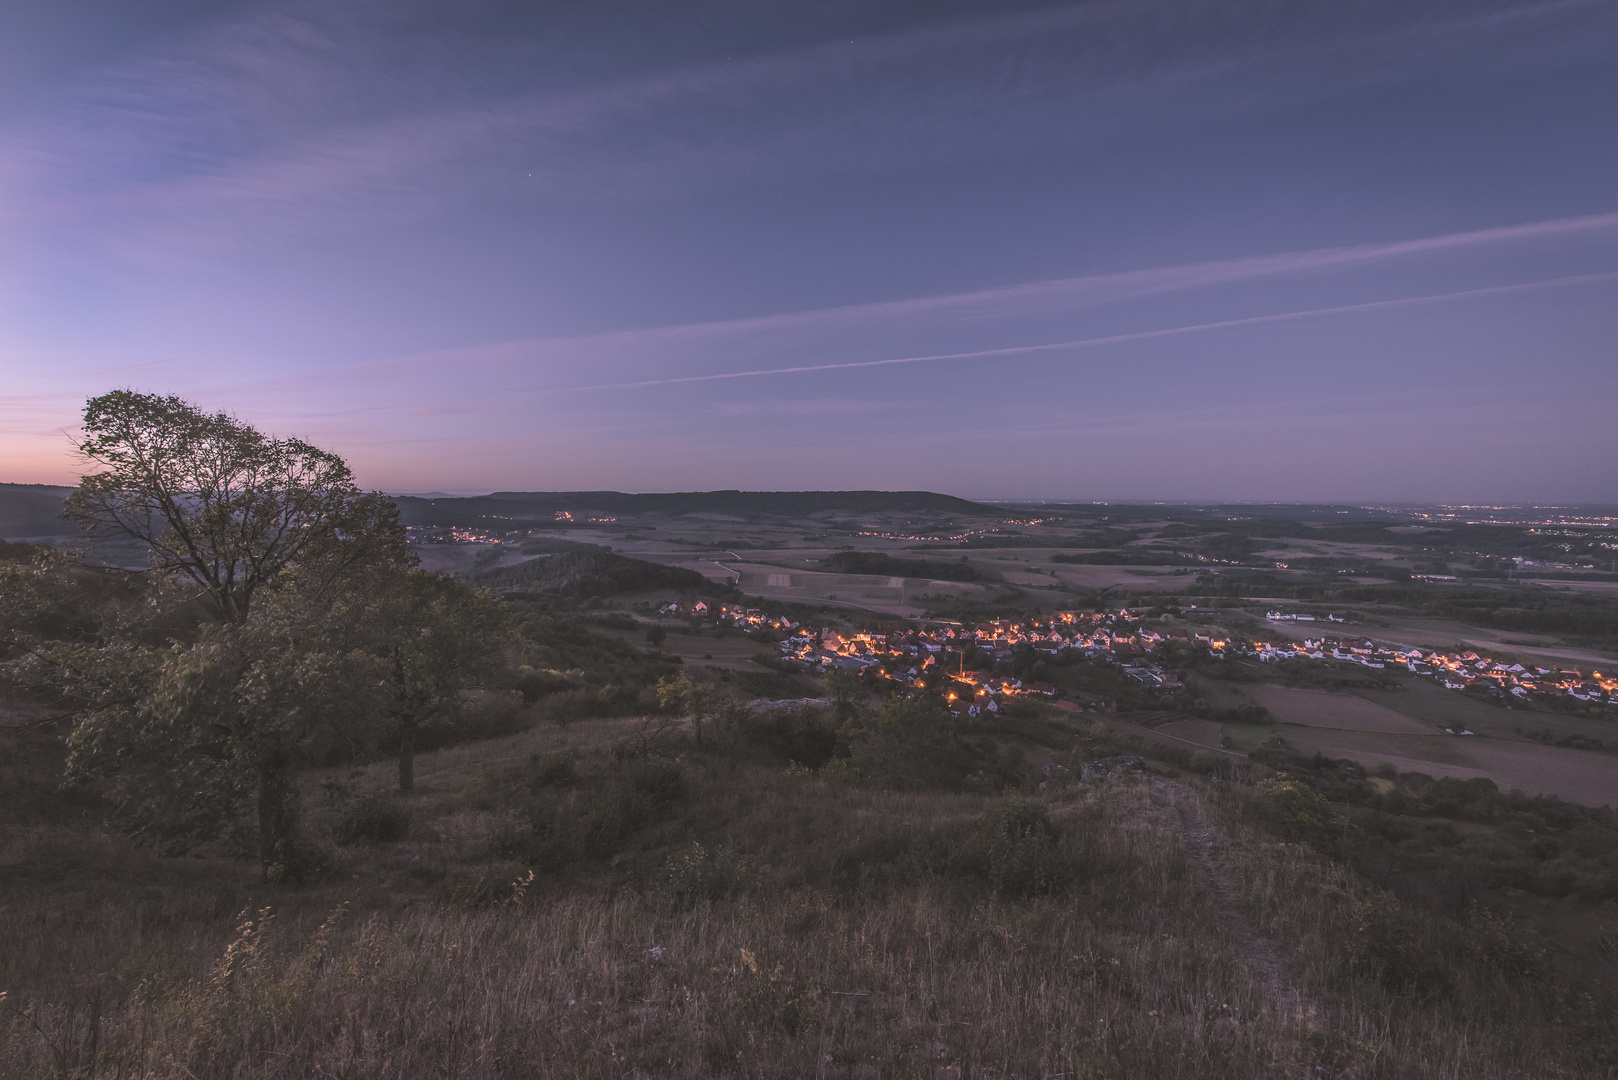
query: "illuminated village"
950, 658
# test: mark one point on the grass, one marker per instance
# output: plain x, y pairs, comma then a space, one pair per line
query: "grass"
1141, 926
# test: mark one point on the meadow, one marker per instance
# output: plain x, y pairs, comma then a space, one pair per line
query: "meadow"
729, 912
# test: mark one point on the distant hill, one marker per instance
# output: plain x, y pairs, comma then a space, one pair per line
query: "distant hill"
583, 574
31, 509
533, 506
1119, 511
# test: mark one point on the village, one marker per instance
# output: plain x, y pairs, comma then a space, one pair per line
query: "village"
951, 658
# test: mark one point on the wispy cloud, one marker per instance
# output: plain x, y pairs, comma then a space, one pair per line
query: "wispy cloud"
281, 122
695, 353
803, 407
1018, 351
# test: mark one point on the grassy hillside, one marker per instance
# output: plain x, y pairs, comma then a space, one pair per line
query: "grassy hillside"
556, 904
583, 574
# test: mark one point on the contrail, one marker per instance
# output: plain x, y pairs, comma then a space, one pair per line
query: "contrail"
126, 367
1111, 339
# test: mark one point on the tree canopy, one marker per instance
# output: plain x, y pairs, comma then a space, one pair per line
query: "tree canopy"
222, 503
314, 638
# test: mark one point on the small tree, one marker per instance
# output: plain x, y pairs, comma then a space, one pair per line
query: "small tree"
845, 690
685, 695
436, 636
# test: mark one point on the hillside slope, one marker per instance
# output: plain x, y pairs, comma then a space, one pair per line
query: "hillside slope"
542, 908
32, 509
542, 506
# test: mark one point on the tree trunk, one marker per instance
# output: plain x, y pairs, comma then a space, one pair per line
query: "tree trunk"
407, 756
276, 817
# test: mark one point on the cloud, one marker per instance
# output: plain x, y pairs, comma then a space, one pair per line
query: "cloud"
1016, 351
305, 119
710, 352
803, 407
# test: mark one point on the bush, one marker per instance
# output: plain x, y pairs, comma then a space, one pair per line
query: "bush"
553, 769
839, 770
298, 861
1293, 809
1025, 857
1391, 945
909, 745
806, 736
658, 780
699, 875
375, 818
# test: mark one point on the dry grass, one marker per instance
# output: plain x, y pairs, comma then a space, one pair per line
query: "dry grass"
867, 939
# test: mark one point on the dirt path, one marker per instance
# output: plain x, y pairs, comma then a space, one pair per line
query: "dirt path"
1203, 848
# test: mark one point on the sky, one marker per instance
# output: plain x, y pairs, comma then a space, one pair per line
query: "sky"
1290, 250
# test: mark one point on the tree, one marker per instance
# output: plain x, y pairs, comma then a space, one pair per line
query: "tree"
221, 503
684, 694
437, 637
908, 744
188, 736
192, 726
845, 690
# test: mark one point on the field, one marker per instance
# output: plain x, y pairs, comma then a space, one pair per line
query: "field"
1580, 776
1415, 631
1404, 728
1323, 709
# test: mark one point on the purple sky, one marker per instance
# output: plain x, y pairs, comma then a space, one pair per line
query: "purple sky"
1283, 250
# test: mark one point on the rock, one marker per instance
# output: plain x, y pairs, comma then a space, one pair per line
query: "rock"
1095, 770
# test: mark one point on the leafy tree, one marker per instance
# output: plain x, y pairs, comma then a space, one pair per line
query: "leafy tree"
685, 695
221, 503
845, 690
908, 744
436, 636
38, 602
188, 736
190, 723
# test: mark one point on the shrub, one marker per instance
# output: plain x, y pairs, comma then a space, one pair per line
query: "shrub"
298, 861
696, 874
1025, 857
1293, 809
375, 818
554, 769
534, 685
1391, 945
658, 780
839, 770
910, 745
